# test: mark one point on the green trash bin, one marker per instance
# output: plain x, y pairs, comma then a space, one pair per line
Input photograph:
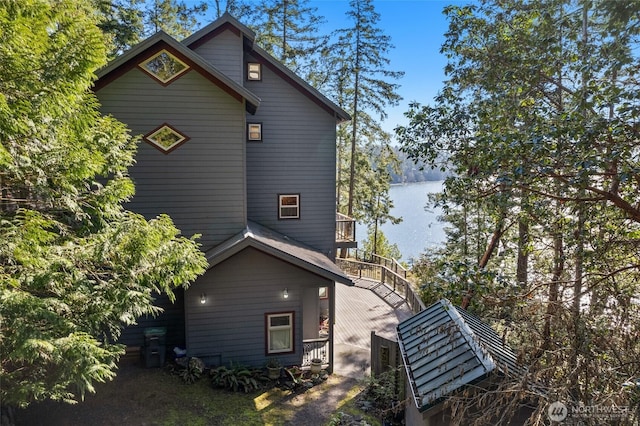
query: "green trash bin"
154, 349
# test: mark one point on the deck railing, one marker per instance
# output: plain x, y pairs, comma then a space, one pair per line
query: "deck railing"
390, 264
315, 348
383, 274
345, 228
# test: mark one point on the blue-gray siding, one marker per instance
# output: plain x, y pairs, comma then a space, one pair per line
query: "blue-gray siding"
201, 184
240, 291
225, 53
296, 156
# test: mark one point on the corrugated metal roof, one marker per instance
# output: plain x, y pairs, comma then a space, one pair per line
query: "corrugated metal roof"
445, 348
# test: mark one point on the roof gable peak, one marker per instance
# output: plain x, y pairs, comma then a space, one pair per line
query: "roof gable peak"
226, 21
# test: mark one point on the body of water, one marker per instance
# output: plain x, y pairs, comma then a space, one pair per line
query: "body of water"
419, 229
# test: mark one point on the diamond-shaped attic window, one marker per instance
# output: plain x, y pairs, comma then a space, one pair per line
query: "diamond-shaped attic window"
166, 138
164, 66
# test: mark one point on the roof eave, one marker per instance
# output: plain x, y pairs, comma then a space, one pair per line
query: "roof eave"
252, 100
246, 239
340, 114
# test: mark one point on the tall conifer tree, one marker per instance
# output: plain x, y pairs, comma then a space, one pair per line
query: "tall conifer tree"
75, 266
364, 47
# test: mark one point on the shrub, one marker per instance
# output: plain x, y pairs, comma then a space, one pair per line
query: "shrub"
236, 378
193, 370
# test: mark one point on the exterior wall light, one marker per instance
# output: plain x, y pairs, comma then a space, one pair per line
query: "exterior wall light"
203, 298
285, 294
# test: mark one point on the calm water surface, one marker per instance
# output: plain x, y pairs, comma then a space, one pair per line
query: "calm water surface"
419, 229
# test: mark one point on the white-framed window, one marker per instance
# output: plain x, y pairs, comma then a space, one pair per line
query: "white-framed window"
323, 292
254, 132
165, 138
254, 71
279, 333
164, 67
289, 206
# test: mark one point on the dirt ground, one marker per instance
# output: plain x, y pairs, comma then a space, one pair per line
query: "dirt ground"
140, 396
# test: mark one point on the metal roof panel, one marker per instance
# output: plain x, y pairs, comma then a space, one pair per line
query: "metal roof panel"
445, 348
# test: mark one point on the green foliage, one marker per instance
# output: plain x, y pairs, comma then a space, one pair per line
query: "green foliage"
538, 125
174, 17
273, 363
75, 267
380, 394
192, 371
363, 85
236, 378
380, 245
290, 31
126, 22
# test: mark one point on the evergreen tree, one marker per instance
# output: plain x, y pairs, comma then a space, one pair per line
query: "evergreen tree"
121, 22
126, 22
239, 9
539, 120
173, 17
375, 202
364, 46
75, 266
290, 31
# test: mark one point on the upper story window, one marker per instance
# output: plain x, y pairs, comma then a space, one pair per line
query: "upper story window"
279, 333
254, 71
289, 206
254, 131
166, 138
164, 67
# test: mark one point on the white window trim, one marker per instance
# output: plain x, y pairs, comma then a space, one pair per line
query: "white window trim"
258, 126
167, 80
270, 328
258, 71
281, 197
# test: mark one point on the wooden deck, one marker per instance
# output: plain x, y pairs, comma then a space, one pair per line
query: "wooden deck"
366, 307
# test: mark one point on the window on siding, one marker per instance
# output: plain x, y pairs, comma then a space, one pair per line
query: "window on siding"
323, 292
254, 71
165, 138
289, 206
254, 131
164, 67
279, 333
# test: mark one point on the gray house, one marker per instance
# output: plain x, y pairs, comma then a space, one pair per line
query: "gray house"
240, 150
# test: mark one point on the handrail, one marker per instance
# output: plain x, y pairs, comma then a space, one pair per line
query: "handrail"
381, 273
391, 264
345, 228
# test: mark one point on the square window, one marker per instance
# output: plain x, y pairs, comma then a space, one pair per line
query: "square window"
279, 333
289, 206
254, 131
323, 293
254, 71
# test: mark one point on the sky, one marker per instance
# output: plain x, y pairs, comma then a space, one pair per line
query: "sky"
417, 29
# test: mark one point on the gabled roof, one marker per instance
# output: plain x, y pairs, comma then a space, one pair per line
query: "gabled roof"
136, 54
445, 348
304, 87
279, 246
227, 21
